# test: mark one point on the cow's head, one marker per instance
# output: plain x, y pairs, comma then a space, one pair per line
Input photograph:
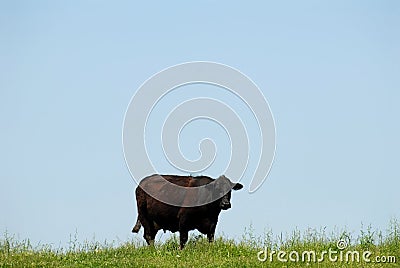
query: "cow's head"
222, 189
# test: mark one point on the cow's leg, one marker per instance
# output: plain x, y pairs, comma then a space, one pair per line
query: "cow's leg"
210, 234
183, 238
210, 237
149, 235
183, 230
149, 231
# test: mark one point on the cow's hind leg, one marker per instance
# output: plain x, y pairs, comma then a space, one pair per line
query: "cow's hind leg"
210, 234
149, 231
143, 218
141, 208
149, 235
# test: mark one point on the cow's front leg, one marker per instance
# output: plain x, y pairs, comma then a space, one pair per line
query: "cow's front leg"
210, 237
183, 237
183, 227
210, 234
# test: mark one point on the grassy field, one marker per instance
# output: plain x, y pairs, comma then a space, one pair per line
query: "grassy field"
373, 245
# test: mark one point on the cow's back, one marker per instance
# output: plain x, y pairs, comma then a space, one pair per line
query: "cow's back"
184, 181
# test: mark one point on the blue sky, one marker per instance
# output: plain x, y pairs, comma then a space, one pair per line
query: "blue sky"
329, 70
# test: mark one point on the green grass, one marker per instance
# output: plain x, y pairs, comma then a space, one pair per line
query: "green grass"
199, 253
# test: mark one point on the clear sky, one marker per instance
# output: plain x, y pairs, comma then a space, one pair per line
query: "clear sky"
329, 70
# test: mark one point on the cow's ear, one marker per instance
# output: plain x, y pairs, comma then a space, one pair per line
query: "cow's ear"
237, 186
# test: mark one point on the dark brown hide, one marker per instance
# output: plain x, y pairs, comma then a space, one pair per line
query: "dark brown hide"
177, 214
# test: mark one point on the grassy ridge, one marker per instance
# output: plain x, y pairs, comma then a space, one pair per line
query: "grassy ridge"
199, 253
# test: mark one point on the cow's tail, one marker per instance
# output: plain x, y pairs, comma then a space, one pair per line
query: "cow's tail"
137, 226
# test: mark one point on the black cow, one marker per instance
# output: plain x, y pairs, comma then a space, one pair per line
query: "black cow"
190, 203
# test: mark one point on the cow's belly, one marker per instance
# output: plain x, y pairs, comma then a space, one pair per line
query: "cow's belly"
164, 217
204, 226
